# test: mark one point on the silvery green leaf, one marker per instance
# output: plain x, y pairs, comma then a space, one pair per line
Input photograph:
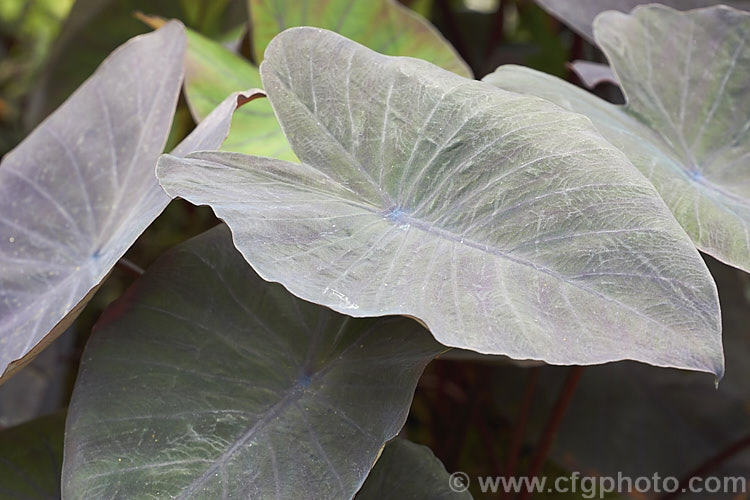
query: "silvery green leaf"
505, 223
78, 191
686, 124
580, 14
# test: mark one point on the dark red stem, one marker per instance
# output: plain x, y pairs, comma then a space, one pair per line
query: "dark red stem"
519, 428
710, 464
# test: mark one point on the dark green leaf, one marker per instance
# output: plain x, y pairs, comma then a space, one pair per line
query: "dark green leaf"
31, 456
408, 471
206, 381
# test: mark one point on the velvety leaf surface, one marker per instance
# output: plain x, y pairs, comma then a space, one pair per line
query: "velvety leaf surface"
31, 456
580, 14
686, 124
408, 471
385, 26
211, 72
77, 192
505, 223
204, 380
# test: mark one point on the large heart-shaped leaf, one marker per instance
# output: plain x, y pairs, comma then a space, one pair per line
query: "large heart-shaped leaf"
686, 124
383, 25
505, 223
80, 189
31, 456
205, 381
408, 470
580, 14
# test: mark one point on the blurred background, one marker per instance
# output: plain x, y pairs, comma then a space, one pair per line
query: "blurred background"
484, 416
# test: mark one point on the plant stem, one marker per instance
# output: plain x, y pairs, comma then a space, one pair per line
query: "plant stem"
461, 430
710, 464
496, 35
550, 430
486, 435
130, 267
519, 428
452, 32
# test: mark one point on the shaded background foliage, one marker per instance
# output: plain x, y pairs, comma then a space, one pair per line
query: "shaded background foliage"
470, 411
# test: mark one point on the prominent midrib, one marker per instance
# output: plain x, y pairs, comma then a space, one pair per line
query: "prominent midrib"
450, 236
293, 395
445, 234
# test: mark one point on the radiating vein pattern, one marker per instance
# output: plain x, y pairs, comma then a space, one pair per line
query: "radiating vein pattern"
505, 223
206, 381
686, 124
77, 192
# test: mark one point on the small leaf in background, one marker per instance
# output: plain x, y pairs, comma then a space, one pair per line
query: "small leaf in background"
205, 379
505, 223
43, 386
211, 72
96, 27
384, 26
685, 126
31, 456
580, 14
409, 471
